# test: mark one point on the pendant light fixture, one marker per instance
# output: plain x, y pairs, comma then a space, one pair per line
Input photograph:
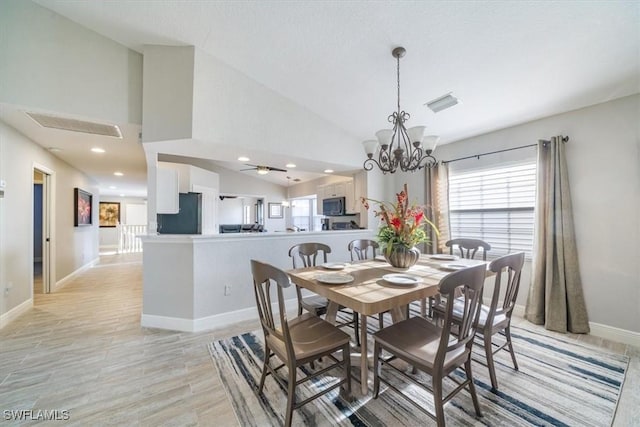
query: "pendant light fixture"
400, 148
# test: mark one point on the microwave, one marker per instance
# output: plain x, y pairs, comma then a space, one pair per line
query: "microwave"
334, 206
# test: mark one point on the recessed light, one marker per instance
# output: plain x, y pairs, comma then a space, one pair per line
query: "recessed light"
97, 150
112, 187
243, 159
290, 165
118, 173
328, 171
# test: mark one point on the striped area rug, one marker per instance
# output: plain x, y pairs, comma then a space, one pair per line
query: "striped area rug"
560, 383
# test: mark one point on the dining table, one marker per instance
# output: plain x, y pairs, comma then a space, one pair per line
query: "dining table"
373, 286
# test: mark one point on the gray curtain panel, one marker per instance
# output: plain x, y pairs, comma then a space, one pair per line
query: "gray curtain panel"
555, 297
437, 199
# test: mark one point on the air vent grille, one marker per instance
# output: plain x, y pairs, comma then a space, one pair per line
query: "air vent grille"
74, 125
442, 103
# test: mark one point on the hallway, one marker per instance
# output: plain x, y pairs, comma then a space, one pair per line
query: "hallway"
82, 349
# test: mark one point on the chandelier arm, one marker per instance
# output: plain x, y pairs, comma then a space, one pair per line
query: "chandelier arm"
368, 165
429, 161
387, 162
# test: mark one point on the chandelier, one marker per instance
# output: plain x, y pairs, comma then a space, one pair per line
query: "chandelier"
407, 149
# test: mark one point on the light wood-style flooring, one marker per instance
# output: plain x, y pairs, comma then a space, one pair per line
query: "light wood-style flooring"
82, 349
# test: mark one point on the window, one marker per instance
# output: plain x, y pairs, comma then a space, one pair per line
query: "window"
304, 214
495, 205
246, 214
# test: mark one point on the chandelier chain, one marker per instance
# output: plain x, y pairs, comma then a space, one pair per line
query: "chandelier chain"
398, 75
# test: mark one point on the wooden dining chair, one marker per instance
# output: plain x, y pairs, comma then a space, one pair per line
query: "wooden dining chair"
307, 255
359, 249
495, 317
468, 248
433, 349
296, 342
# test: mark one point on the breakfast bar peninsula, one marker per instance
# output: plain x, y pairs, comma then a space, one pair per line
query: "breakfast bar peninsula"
200, 282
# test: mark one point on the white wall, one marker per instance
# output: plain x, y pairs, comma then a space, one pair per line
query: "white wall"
168, 93
74, 247
230, 211
603, 157
50, 63
231, 109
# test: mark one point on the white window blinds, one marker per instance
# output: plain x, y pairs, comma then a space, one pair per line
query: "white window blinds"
495, 205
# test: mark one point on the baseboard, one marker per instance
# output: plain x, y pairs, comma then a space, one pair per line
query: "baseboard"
599, 330
615, 334
16, 311
62, 282
206, 323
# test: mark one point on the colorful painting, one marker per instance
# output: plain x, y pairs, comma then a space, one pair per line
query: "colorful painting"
82, 201
109, 214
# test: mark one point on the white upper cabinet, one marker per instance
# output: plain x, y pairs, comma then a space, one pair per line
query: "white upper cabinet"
167, 189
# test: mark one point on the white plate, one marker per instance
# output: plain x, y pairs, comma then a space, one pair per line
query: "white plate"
401, 279
334, 278
444, 257
334, 265
454, 267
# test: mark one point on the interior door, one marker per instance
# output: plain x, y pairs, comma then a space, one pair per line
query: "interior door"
43, 176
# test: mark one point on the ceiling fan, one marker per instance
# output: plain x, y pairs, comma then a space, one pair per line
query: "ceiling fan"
263, 170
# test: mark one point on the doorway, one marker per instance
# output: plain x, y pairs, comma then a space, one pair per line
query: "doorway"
41, 230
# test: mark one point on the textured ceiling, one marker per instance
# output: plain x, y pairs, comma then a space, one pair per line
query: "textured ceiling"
508, 61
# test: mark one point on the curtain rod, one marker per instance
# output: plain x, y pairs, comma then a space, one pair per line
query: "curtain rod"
564, 139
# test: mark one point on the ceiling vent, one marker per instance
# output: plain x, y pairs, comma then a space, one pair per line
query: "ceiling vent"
442, 103
76, 125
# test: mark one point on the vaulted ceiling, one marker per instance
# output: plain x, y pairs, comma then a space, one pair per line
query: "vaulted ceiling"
509, 62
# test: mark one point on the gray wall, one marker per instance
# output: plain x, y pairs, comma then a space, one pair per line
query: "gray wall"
603, 157
73, 247
48, 63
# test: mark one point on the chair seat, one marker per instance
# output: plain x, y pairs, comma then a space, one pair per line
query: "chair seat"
315, 304
310, 336
498, 320
416, 341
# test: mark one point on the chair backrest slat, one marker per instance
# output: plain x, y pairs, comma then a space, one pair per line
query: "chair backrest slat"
511, 266
263, 276
359, 249
469, 284
308, 253
468, 248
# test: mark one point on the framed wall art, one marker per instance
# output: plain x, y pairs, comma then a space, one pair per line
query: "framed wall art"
275, 210
109, 214
82, 202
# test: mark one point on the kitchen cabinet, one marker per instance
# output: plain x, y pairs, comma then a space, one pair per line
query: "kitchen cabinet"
167, 191
337, 189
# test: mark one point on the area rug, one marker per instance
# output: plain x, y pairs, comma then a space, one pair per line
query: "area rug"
560, 383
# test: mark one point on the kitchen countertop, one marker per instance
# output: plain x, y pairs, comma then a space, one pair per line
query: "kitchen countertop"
237, 236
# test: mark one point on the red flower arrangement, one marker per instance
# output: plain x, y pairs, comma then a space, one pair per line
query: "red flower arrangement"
402, 223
